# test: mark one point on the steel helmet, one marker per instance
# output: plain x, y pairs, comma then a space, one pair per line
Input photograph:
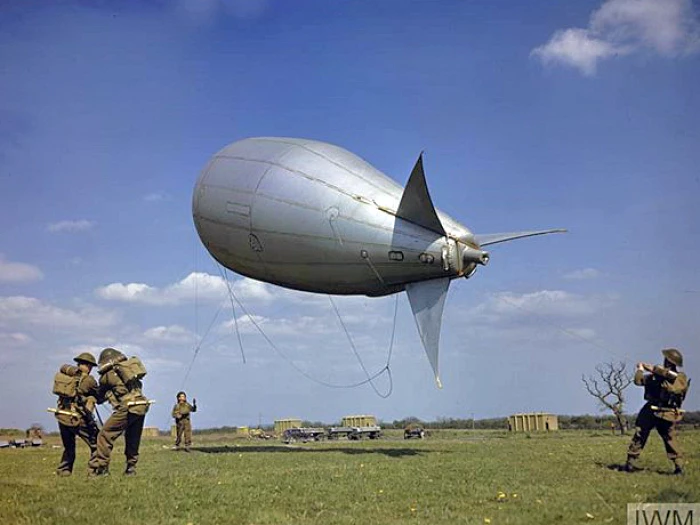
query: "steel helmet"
85, 357
673, 355
109, 354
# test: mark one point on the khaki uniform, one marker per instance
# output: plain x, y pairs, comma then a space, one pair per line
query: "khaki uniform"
83, 425
662, 389
181, 413
124, 420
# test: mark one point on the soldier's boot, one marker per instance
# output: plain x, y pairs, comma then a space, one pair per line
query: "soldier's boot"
630, 465
130, 471
63, 473
98, 472
678, 470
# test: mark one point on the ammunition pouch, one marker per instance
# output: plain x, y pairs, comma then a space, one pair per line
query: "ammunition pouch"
672, 415
68, 417
74, 411
136, 403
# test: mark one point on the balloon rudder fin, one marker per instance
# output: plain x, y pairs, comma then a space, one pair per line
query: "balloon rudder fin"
427, 300
416, 206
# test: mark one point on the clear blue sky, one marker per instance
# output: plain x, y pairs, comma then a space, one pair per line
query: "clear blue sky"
581, 115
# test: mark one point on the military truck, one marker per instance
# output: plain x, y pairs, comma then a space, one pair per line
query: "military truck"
303, 434
356, 427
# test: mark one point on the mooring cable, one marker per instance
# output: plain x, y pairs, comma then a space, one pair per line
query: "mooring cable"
198, 347
357, 354
233, 312
284, 356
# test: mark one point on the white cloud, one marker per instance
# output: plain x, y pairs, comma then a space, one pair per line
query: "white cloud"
203, 287
252, 289
552, 303
301, 326
20, 311
585, 273
577, 48
157, 196
70, 226
668, 28
169, 334
92, 349
160, 363
15, 272
200, 286
14, 339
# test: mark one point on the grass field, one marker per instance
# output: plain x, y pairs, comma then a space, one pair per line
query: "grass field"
451, 477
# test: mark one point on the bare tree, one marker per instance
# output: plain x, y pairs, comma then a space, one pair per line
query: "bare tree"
608, 387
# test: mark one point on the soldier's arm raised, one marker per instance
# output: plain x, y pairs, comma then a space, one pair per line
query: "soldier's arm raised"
666, 373
639, 376
88, 391
101, 394
70, 370
103, 389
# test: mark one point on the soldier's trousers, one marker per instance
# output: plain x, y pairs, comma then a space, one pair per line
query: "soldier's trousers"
85, 431
120, 422
645, 423
184, 428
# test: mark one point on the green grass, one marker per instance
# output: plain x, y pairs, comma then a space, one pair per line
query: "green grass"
451, 477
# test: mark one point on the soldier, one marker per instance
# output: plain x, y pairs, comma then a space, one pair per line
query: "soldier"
181, 413
664, 390
120, 384
74, 412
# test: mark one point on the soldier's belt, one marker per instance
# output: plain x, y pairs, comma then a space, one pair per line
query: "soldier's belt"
63, 412
138, 403
667, 409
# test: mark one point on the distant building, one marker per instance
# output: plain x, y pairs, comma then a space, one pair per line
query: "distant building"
533, 422
283, 424
359, 421
151, 432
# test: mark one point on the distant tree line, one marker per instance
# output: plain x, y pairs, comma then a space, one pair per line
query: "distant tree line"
583, 422
566, 422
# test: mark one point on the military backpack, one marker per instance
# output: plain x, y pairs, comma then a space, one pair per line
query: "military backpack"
65, 385
130, 369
